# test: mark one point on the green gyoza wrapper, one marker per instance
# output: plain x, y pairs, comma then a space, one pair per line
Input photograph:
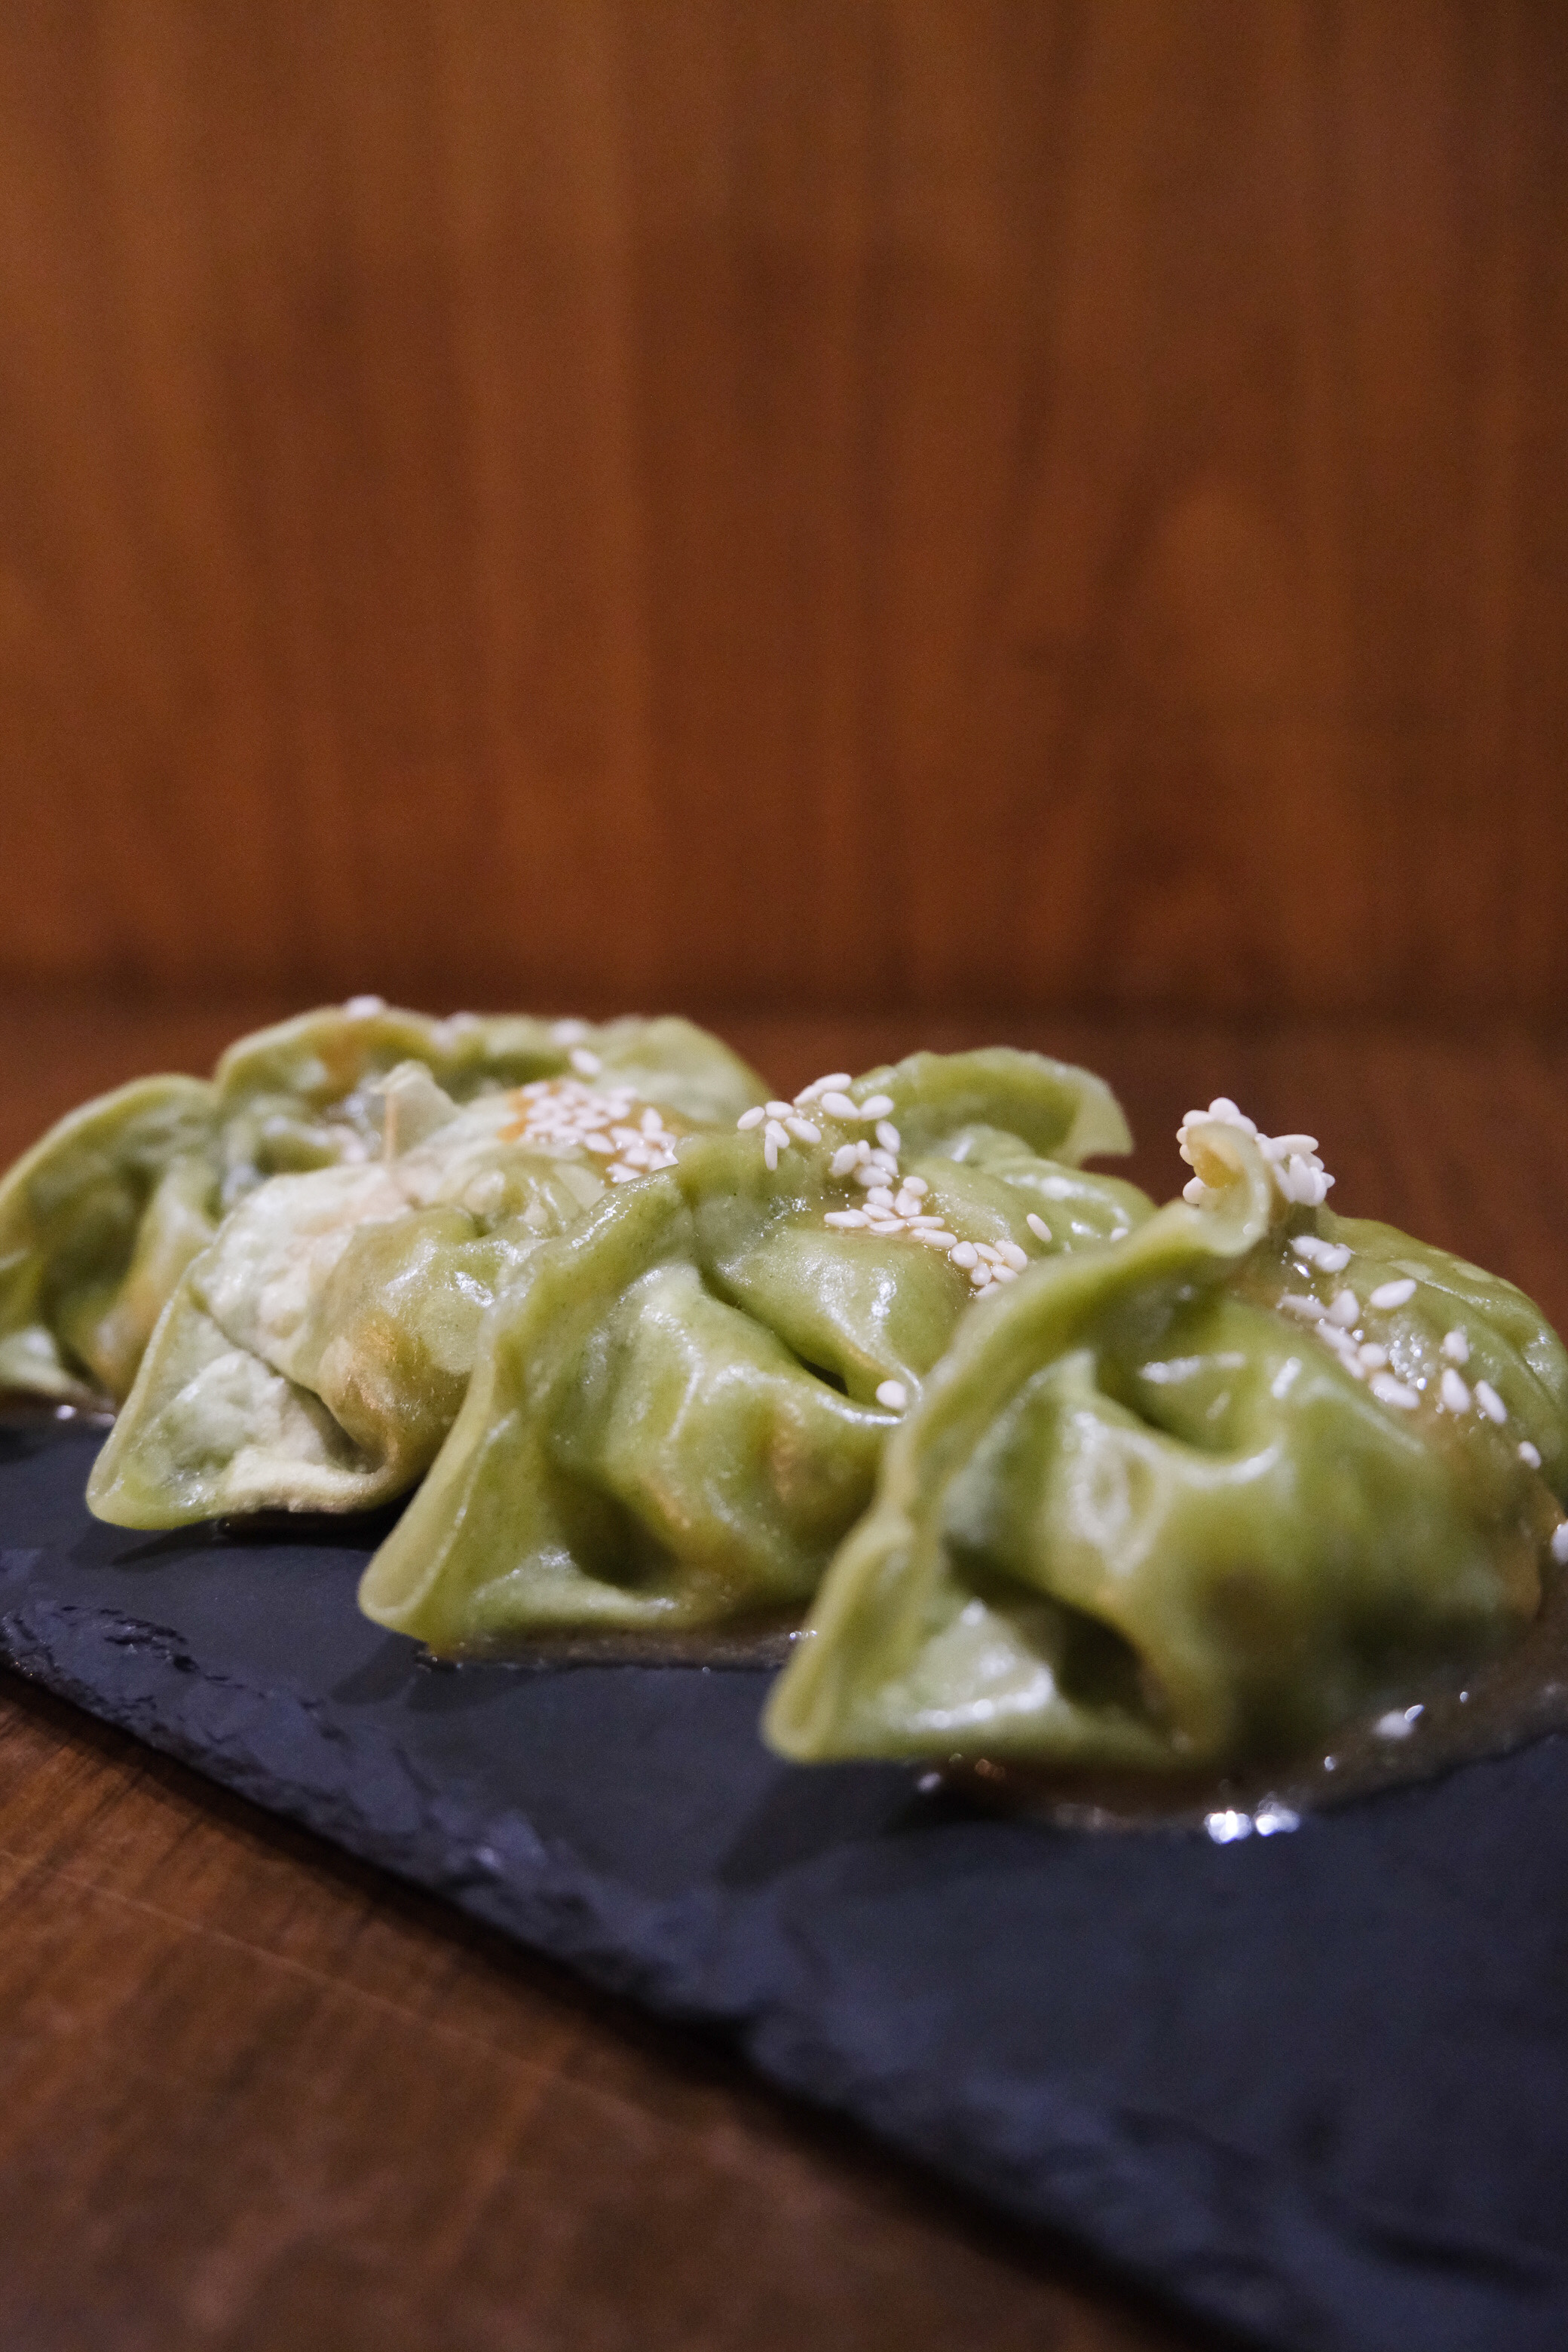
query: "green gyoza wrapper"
101, 1218
1144, 1518
673, 1418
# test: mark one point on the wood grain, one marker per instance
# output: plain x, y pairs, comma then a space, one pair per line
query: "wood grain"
919, 504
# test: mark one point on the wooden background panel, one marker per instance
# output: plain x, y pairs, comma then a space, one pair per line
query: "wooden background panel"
916, 503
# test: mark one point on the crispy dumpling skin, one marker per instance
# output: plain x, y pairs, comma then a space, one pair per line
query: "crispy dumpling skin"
99, 1221
1144, 1518
675, 1413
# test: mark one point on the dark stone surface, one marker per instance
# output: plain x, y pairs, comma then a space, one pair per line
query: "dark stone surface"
1314, 2087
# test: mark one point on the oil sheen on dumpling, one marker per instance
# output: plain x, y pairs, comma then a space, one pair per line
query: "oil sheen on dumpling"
1196, 1496
314, 1355
99, 1221
678, 1409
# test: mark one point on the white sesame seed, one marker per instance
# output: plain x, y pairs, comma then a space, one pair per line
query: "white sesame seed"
770, 1149
587, 1065
894, 1395
1560, 1543
1015, 1257
1345, 1311
1003, 1274
600, 1143
1372, 1356
843, 1161
965, 1254
1491, 1403
1334, 1257
834, 1079
777, 1134
979, 1275
1037, 1226
863, 1152
838, 1104
846, 1217
1393, 1294
1528, 1454
876, 1106
1388, 1390
1456, 1346
878, 1197
1311, 1310
917, 1184
780, 1109
1453, 1390
939, 1239
866, 1174
989, 1251
802, 1130
887, 1135
750, 1119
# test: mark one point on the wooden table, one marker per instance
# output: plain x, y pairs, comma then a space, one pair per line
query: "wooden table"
259, 2097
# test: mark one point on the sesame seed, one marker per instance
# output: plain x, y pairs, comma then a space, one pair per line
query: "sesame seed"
770, 1149
863, 1152
965, 1254
777, 1134
1560, 1543
876, 1106
894, 1395
1334, 1257
979, 1275
834, 1079
1345, 1311
843, 1161
1037, 1226
939, 1239
1388, 1390
866, 1174
878, 1197
916, 1185
1015, 1257
586, 1065
1456, 1346
1491, 1403
780, 1109
1311, 1310
846, 1217
600, 1143
750, 1119
650, 1122
1453, 1390
989, 1251
1393, 1294
1003, 1274
887, 1135
802, 1130
838, 1104
1528, 1454
1372, 1356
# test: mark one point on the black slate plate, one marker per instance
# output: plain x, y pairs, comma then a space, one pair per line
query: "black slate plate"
1314, 2086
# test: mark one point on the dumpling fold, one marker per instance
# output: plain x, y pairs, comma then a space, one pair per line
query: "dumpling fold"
1193, 1495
